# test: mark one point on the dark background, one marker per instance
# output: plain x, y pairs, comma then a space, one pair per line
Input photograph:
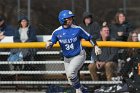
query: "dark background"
44, 12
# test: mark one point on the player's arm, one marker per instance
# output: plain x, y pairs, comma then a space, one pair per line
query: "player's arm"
88, 37
51, 42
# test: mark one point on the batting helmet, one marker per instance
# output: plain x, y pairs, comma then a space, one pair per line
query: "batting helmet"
64, 15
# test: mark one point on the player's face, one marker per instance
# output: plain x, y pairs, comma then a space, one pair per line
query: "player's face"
69, 21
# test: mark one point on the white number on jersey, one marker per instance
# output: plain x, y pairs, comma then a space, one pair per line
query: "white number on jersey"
69, 46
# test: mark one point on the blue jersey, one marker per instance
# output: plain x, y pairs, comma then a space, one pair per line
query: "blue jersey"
69, 39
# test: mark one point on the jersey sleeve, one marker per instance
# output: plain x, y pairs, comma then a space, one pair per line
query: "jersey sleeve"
54, 38
85, 35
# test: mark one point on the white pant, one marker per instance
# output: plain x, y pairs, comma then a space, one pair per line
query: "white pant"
73, 64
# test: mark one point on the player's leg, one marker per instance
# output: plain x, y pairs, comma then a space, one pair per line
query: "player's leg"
73, 68
66, 65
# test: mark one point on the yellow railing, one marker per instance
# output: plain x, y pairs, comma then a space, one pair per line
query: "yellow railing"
84, 43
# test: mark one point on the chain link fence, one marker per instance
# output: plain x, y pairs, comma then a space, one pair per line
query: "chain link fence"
44, 71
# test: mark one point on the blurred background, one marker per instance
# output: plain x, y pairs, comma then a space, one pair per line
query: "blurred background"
43, 13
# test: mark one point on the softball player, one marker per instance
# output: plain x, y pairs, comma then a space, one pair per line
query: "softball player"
69, 37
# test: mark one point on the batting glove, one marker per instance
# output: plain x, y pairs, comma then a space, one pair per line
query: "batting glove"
97, 50
48, 44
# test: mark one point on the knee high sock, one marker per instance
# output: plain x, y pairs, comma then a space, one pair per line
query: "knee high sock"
75, 82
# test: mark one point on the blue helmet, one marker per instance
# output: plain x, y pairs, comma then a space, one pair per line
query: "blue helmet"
64, 15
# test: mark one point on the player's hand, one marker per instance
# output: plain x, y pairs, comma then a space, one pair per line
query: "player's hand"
48, 44
97, 50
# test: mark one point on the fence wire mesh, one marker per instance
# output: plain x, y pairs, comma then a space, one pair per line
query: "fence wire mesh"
44, 71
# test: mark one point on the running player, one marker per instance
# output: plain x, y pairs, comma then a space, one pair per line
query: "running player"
69, 36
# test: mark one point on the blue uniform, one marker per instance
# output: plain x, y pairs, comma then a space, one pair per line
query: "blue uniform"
69, 39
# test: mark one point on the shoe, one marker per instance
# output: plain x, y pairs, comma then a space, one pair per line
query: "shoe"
78, 90
82, 89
